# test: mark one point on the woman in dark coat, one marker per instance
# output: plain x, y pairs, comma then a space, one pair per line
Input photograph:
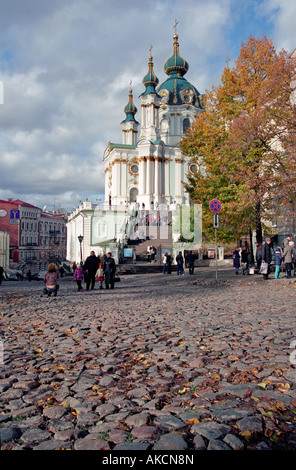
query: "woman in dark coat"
267, 256
109, 269
236, 260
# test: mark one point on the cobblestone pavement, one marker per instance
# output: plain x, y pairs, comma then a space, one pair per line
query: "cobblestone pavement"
159, 363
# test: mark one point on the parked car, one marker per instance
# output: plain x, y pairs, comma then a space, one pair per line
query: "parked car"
12, 275
38, 276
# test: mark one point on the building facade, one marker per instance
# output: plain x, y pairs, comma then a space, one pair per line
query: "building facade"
147, 170
35, 236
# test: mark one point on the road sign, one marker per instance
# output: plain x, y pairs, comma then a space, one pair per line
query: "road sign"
215, 205
216, 220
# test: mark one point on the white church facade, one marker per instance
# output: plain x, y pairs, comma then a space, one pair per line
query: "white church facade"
147, 170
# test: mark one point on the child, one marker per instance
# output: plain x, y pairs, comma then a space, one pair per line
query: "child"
50, 280
100, 274
78, 276
278, 261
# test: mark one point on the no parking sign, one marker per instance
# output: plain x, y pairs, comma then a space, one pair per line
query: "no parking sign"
215, 206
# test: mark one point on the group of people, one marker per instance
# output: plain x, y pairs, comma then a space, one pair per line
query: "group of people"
283, 256
91, 270
167, 263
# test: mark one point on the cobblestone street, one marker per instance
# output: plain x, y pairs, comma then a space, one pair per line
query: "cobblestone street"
159, 363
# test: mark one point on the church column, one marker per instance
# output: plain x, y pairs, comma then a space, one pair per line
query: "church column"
124, 179
142, 176
107, 179
178, 181
167, 179
157, 168
149, 177
117, 172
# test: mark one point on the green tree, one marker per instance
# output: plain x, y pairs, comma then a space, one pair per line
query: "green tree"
241, 140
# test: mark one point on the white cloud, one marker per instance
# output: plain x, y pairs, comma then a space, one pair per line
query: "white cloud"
66, 70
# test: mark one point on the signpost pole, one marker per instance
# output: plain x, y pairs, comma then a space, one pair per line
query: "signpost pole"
216, 254
215, 206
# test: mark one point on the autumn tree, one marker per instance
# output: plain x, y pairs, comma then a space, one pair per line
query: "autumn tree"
244, 142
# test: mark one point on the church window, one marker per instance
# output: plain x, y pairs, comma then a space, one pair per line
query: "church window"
134, 169
186, 125
164, 126
193, 168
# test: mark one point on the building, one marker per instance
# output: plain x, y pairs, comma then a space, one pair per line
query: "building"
36, 237
150, 168
146, 171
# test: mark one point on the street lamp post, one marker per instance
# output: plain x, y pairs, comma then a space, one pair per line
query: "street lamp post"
80, 239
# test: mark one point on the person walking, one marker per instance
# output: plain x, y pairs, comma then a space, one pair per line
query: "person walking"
267, 256
180, 264
50, 280
258, 255
164, 260
168, 263
190, 261
288, 259
109, 269
245, 261
90, 267
236, 260
1, 273
278, 257
78, 276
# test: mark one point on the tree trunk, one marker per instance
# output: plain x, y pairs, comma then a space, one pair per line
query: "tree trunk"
259, 238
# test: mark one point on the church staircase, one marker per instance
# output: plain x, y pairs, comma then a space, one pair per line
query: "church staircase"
151, 234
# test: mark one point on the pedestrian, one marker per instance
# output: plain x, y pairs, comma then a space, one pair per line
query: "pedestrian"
267, 256
50, 280
190, 261
168, 263
293, 259
258, 255
278, 257
90, 267
61, 270
109, 269
100, 276
164, 260
180, 264
74, 266
288, 259
1, 274
152, 253
148, 254
236, 260
245, 260
78, 276
29, 275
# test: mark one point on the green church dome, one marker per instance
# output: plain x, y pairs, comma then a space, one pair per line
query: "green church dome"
176, 89
130, 109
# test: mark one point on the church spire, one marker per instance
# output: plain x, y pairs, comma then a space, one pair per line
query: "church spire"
130, 125
176, 64
150, 80
130, 109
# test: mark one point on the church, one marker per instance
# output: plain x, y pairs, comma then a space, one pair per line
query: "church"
147, 170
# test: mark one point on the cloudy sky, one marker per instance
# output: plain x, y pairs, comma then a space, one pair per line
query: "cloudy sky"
65, 69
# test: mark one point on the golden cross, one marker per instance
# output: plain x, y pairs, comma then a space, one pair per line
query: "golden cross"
227, 61
151, 49
175, 26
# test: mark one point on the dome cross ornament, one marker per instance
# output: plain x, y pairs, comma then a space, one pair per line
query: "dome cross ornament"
175, 26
